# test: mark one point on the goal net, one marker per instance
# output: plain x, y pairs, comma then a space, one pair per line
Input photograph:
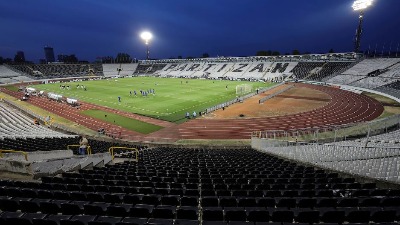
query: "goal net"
243, 89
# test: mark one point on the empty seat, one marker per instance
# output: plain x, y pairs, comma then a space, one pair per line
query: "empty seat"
307, 203
384, 216
78, 220
52, 207
113, 198
391, 202
7, 204
133, 220
327, 202
151, 200
235, 215
208, 192
258, 215
188, 192
189, 201
95, 208
17, 221
118, 210
209, 201
164, 212
188, 213
105, 220
282, 216
213, 214
185, 222
273, 193
307, 217
50, 220
325, 193
361, 216
370, 202
31, 216
141, 211
170, 200
286, 202
266, 202
132, 199
348, 202
228, 202
247, 202
95, 197
160, 221
72, 208
333, 217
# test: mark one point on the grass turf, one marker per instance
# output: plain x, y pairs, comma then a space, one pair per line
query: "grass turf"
128, 123
172, 99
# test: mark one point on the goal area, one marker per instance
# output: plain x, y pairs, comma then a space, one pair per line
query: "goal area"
243, 89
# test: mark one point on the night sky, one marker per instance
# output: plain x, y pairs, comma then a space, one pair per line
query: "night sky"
94, 28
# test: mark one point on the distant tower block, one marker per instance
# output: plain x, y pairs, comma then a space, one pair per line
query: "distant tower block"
49, 54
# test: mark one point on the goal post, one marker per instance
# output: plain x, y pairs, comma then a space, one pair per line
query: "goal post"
242, 89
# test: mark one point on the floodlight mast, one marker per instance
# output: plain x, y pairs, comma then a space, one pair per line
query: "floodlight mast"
360, 5
146, 36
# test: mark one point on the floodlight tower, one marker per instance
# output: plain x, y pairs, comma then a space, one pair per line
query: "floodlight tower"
146, 36
360, 5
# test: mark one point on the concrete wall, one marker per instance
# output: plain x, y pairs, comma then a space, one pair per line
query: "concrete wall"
51, 162
39, 155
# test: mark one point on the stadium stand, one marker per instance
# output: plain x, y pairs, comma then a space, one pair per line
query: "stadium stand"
367, 66
378, 163
150, 68
5, 72
19, 132
198, 186
124, 69
178, 185
8, 75
58, 70
14, 123
391, 89
315, 67
370, 73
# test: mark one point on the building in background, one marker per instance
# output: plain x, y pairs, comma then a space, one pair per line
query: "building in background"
19, 57
49, 54
67, 58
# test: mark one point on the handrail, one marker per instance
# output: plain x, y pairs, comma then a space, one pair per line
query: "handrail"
111, 151
14, 151
88, 149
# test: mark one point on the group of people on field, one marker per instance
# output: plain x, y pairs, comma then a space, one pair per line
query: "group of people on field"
187, 115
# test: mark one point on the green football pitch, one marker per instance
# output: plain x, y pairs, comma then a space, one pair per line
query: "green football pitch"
172, 97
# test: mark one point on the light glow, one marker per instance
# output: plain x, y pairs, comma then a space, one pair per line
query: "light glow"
146, 36
361, 4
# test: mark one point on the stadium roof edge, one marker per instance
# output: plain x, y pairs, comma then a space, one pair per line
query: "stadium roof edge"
329, 56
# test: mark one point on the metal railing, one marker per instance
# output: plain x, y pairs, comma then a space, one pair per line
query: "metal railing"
333, 133
111, 151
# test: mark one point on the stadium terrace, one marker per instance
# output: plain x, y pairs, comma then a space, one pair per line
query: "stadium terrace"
303, 139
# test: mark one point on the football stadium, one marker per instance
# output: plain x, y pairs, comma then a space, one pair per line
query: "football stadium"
283, 139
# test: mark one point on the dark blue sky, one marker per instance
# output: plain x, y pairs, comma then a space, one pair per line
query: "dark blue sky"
92, 28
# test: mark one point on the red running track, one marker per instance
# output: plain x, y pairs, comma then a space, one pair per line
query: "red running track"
344, 107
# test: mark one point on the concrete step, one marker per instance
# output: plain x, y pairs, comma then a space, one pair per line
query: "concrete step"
51, 163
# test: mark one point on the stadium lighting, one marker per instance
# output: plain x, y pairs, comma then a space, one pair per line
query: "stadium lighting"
146, 36
360, 5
